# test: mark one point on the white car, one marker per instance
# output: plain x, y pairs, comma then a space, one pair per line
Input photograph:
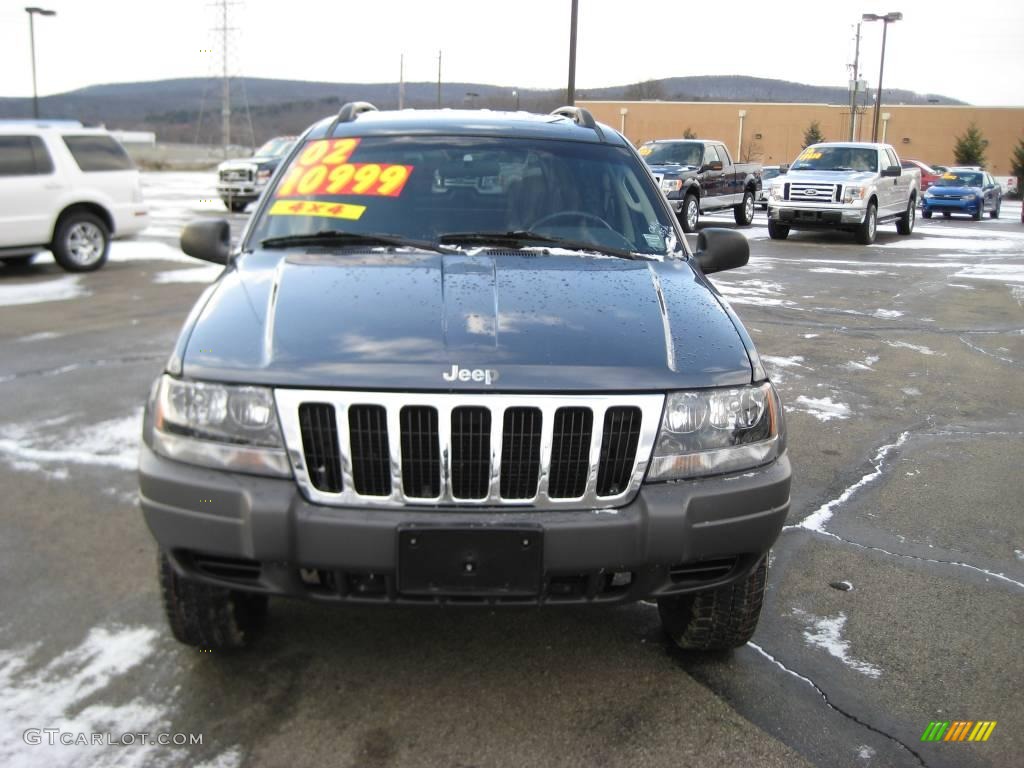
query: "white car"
68, 189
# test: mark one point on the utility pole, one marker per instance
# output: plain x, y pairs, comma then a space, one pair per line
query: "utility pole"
887, 19
438, 79
401, 80
225, 102
32, 42
853, 90
571, 95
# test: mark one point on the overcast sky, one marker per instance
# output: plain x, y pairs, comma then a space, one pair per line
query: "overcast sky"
970, 51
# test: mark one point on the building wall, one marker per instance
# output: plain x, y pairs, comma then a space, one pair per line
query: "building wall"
925, 133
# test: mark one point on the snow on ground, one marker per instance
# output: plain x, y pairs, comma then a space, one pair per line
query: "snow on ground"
194, 275
65, 692
50, 445
823, 409
147, 250
1009, 273
867, 364
859, 272
38, 292
755, 292
916, 347
827, 634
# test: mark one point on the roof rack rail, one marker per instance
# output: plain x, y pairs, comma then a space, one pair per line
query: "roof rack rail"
580, 116
349, 112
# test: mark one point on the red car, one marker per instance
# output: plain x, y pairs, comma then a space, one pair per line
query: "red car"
928, 174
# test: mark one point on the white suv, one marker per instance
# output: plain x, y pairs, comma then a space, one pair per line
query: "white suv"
68, 189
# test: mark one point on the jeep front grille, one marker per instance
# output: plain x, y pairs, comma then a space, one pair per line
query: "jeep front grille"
392, 450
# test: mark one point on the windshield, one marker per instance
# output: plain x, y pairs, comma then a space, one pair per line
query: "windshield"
454, 189
672, 153
959, 179
769, 173
819, 158
275, 147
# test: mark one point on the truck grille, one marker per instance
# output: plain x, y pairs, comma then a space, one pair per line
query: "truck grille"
382, 449
812, 193
236, 174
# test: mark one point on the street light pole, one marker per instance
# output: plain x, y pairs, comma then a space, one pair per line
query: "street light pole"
888, 18
32, 11
571, 95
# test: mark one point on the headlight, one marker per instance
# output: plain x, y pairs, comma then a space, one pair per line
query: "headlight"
928, 192
776, 192
263, 176
712, 431
668, 186
219, 425
853, 192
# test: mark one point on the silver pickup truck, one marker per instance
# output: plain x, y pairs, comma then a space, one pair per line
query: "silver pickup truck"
851, 186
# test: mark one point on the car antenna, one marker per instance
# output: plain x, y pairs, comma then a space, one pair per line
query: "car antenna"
349, 112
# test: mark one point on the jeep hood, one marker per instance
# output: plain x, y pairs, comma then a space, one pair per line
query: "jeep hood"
398, 320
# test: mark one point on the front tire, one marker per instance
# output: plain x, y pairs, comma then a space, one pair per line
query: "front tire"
866, 231
994, 213
81, 242
744, 212
716, 619
926, 213
905, 224
777, 231
980, 212
208, 617
690, 214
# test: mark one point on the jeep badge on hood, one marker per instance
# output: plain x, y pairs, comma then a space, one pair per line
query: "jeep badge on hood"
487, 375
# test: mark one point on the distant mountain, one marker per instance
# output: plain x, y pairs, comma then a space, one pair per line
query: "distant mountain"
188, 109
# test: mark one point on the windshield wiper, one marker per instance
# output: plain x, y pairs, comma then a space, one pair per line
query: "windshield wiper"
336, 237
525, 238
841, 168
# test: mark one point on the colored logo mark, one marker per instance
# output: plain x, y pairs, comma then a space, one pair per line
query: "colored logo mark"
959, 730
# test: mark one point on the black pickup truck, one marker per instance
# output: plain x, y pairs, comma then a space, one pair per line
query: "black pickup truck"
699, 176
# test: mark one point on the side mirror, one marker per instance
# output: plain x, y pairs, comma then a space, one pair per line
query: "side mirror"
892, 170
783, 169
207, 239
721, 249
715, 165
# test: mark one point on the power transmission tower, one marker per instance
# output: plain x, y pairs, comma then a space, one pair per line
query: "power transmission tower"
225, 99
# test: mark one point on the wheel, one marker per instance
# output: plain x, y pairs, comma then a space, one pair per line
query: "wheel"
777, 231
926, 213
690, 214
81, 242
744, 212
19, 261
980, 212
905, 224
207, 617
716, 619
946, 214
866, 231
994, 213
235, 206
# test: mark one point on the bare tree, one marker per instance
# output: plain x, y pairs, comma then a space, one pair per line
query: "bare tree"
647, 90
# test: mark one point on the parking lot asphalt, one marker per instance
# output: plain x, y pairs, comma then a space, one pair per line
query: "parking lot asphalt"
896, 590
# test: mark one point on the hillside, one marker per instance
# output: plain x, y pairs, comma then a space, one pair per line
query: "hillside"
188, 109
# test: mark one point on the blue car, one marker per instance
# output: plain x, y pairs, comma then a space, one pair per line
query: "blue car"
970, 191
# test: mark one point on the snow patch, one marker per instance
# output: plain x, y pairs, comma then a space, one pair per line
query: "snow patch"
147, 250
822, 408
43, 336
922, 349
60, 289
886, 313
110, 443
835, 271
865, 365
194, 275
827, 634
817, 519
864, 752
811, 335
784, 362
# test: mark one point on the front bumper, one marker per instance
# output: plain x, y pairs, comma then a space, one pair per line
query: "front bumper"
948, 205
247, 192
797, 215
261, 535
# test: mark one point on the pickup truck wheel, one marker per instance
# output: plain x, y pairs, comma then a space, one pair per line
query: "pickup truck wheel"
81, 242
777, 231
866, 231
905, 225
744, 212
716, 619
235, 206
690, 214
207, 617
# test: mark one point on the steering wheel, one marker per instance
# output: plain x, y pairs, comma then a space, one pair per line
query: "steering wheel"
578, 214
584, 216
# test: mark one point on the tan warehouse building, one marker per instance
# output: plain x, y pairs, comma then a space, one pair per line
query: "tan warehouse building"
773, 133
